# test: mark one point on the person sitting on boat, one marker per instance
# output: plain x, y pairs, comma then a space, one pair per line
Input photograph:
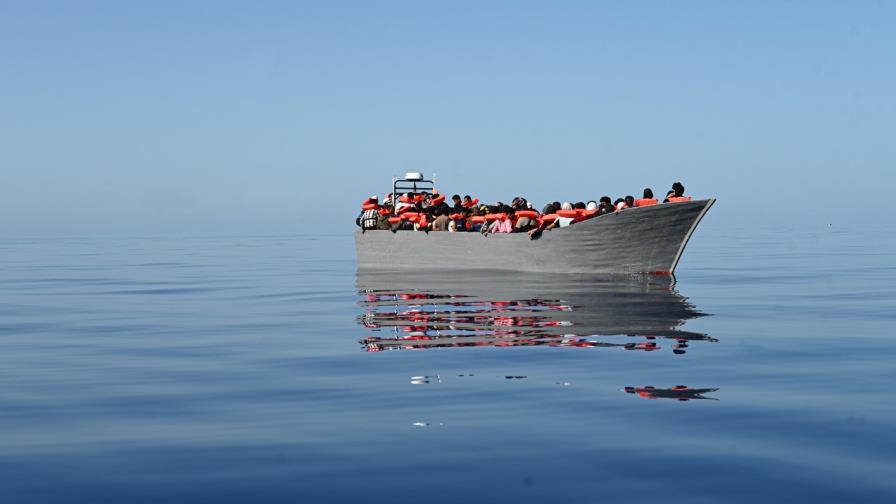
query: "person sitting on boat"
440, 219
605, 206
458, 204
474, 226
382, 222
647, 200
369, 217
676, 194
548, 209
619, 204
630, 201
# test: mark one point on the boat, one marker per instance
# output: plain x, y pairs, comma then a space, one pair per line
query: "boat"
649, 239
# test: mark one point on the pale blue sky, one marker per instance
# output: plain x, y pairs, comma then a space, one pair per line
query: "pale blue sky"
145, 118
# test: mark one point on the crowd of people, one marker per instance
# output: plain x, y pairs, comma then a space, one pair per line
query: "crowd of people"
427, 212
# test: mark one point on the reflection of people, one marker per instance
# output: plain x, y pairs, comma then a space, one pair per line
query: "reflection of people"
680, 392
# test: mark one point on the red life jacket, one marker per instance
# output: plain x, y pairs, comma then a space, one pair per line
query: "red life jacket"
645, 202
437, 200
370, 206
527, 213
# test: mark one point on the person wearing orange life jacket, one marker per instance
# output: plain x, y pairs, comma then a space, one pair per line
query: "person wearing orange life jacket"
369, 215
677, 194
647, 200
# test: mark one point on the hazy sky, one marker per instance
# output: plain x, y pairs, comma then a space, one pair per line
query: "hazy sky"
143, 118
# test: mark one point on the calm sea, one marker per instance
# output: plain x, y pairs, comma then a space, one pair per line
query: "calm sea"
265, 369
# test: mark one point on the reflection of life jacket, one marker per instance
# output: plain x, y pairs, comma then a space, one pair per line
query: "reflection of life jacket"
645, 202
678, 199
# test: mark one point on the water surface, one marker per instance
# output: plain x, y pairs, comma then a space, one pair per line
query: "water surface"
267, 369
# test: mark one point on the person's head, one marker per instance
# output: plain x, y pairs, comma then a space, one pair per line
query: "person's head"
566, 206
374, 199
648, 193
678, 189
580, 205
592, 206
630, 200
556, 204
456, 199
468, 199
605, 200
549, 209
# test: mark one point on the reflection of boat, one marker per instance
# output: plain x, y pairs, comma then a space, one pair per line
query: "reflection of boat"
647, 239
680, 392
421, 310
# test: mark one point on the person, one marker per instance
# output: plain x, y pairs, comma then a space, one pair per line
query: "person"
441, 220
605, 206
382, 222
369, 218
677, 194
647, 200
619, 204
549, 209
563, 221
458, 204
629, 201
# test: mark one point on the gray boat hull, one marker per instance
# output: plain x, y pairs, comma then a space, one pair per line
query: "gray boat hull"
636, 240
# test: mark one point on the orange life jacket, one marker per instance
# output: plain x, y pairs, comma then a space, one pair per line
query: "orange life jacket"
678, 199
567, 213
645, 202
527, 213
370, 206
437, 200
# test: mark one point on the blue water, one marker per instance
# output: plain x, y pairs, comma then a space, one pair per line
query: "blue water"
263, 369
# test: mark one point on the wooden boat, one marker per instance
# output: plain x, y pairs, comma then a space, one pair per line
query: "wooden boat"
648, 239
